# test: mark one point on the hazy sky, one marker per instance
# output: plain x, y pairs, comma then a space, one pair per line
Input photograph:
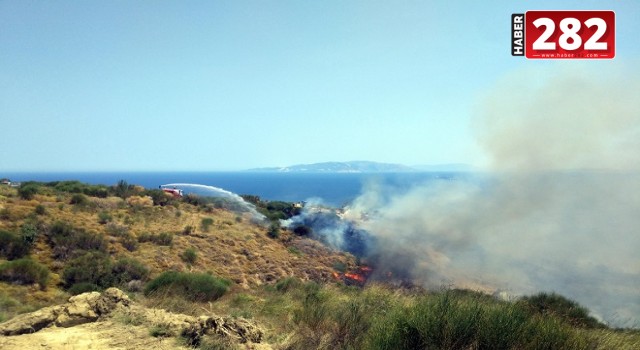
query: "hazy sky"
224, 85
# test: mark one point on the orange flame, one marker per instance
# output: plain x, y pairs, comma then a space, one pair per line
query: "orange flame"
356, 277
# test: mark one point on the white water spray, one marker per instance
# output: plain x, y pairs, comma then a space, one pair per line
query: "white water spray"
217, 192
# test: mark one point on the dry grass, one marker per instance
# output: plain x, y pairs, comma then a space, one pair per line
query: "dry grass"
233, 247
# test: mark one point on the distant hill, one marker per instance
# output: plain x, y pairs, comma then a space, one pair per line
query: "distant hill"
340, 167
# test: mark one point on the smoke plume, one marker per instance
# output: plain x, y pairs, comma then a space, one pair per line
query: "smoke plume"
558, 209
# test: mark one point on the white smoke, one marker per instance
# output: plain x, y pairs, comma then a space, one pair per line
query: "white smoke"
216, 192
559, 211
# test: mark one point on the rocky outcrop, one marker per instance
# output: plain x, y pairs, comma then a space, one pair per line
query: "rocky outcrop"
83, 308
94, 306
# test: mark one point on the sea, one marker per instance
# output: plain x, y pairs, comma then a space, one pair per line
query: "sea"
331, 189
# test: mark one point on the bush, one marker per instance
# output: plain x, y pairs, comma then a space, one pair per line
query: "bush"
83, 287
145, 237
122, 189
24, 271
29, 232
40, 209
189, 256
274, 230
79, 199
129, 269
13, 246
187, 230
65, 239
205, 224
129, 242
116, 230
192, 286
159, 197
288, 283
104, 218
98, 268
559, 306
100, 191
92, 267
450, 321
28, 190
379, 319
164, 238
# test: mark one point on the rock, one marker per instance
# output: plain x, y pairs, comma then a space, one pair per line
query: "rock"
82, 308
110, 299
31, 322
94, 306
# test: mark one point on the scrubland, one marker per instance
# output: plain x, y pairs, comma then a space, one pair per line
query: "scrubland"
195, 257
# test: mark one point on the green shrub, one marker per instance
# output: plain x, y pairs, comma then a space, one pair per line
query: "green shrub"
129, 242
456, 321
40, 210
288, 283
192, 286
205, 224
98, 269
190, 255
29, 232
187, 230
83, 287
24, 271
92, 267
78, 199
145, 237
28, 190
164, 238
104, 218
161, 331
194, 200
159, 197
79, 187
129, 269
561, 307
116, 230
274, 230
66, 239
13, 246
122, 189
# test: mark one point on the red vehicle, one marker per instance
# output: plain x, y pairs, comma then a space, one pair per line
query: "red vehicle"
175, 192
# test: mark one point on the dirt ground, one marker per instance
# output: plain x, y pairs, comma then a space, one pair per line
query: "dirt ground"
96, 335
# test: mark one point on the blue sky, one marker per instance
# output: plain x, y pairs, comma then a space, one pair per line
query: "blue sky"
226, 85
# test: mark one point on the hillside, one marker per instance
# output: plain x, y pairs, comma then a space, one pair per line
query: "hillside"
208, 265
